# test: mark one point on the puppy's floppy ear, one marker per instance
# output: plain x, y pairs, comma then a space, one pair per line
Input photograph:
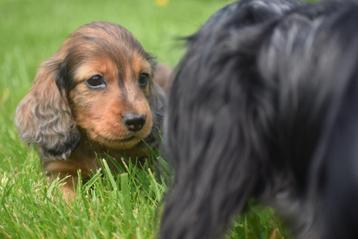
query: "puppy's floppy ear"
162, 76
157, 101
44, 117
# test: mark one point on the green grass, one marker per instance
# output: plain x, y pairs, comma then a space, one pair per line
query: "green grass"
124, 205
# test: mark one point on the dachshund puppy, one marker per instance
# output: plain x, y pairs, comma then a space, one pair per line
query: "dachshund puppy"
96, 96
263, 107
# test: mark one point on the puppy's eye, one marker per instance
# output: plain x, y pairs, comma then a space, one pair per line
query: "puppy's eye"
96, 82
143, 80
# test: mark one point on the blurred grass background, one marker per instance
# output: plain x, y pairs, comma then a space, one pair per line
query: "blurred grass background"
114, 206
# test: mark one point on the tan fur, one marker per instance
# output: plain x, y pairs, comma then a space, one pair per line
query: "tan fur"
71, 123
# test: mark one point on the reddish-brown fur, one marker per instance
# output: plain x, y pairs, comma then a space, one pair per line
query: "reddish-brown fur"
73, 124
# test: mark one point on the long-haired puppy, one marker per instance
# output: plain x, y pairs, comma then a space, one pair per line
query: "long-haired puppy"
264, 106
96, 95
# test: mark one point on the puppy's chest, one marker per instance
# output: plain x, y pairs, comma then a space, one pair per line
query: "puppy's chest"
92, 157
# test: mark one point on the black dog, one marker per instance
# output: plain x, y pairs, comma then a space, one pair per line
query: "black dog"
263, 107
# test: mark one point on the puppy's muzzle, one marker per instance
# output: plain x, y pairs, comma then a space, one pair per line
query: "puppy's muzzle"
134, 122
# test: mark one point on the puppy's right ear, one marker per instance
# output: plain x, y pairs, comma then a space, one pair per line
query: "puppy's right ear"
44, 117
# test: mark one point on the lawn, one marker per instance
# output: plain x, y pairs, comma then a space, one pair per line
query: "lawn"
125, 205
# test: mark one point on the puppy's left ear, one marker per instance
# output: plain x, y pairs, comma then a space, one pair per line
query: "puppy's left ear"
44, 117
158, 100
162, 76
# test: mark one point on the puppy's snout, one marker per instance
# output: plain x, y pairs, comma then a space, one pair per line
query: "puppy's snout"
133, 121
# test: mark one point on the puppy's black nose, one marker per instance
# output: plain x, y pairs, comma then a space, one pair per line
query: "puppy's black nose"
133, 121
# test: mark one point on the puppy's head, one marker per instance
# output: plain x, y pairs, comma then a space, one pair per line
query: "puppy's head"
99, 86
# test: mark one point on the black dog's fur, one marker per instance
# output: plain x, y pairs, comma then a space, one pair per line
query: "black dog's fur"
263, 107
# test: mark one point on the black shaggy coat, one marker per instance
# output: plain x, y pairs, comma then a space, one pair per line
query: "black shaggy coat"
263, 107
